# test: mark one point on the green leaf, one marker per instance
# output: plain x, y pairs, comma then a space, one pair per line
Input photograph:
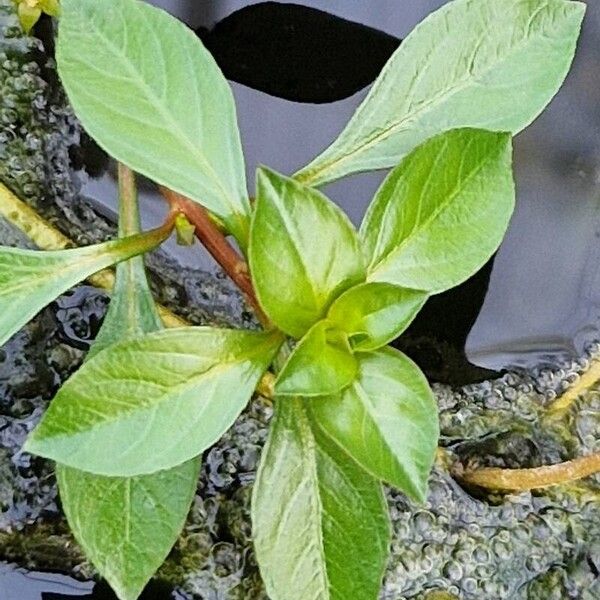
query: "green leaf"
28, 16
127, 525
153, 402
373, 314
30, 279
442, 213
304, 252
386, 420
322, 363
320, 523
474, 63
153, 97
50, 7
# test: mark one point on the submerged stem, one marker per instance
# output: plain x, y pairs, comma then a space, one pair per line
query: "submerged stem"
530, 479
47, 237
585, 382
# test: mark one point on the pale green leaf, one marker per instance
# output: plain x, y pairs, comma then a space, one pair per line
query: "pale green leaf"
386, 420
127, 525
304, 252
487, 64
320, 523
321, 363
153, 402
442, 213
28, 16
30, 279
152, 96
373, 314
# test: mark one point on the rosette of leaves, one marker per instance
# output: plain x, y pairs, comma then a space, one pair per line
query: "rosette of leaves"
350, 413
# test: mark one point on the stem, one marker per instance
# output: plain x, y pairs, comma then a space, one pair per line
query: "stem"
211, 237
46, 237
585, 382
23, 217
530, 479
129, 213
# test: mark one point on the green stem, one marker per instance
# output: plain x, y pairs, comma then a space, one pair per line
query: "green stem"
129, 212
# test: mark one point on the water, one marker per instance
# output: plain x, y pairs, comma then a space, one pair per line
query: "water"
17, 584
543, 301
20, 584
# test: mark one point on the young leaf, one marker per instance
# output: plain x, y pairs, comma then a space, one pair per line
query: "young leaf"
474, 63
442, 213
386, 420
320, 523
322, 363
304, 252
30, 279
127, 525
153, 402
152, 96
373, 314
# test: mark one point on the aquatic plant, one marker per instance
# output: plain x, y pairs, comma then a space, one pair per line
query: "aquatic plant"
126, 430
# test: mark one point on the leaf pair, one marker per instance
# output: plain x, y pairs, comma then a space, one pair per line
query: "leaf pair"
127, 525
436, 219
455, 70
320, 522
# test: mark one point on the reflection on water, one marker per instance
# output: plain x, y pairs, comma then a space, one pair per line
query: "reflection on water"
19, 584
544, 296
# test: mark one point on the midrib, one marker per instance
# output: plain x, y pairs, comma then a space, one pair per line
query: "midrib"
392, 254
309, 444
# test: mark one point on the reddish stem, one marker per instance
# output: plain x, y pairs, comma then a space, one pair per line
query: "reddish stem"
209, 234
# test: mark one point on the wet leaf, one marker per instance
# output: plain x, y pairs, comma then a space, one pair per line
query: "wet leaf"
153, 402
474, 63
374, 314
442, 213
152, 96
386, 420
321, 363
30, 279
304, 252
320, 523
